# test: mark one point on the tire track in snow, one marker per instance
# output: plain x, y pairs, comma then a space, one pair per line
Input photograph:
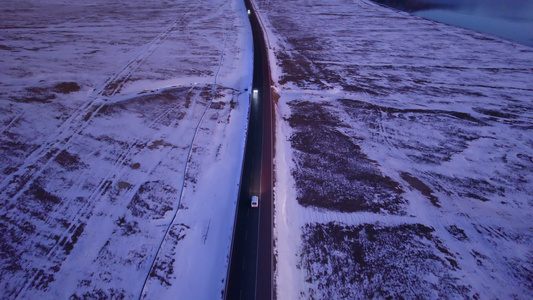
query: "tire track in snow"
117, 166
382, 129
82, 215
79, 120
186, 168
12, 122
17, 183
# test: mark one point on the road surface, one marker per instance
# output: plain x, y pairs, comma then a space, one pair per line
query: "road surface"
250, 274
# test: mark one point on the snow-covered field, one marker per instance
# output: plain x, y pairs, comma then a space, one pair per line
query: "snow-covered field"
122, 131
404, 155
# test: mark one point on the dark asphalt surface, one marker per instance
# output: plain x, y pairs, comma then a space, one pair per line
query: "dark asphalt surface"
250, 274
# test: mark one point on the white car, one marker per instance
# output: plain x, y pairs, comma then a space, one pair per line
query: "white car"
255, 201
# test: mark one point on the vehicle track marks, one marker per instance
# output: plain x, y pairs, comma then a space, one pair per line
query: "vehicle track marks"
17, 183
56, 254
37, 162
186, 167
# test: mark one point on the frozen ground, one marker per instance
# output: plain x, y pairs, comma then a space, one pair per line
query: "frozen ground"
122, 131
404, 155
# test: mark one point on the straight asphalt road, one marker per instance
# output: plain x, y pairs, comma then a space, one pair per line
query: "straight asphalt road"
251, 265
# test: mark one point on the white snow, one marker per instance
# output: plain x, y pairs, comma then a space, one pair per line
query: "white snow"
141, 165
449, 106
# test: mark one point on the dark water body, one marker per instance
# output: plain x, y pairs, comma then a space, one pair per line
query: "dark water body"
509, 19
